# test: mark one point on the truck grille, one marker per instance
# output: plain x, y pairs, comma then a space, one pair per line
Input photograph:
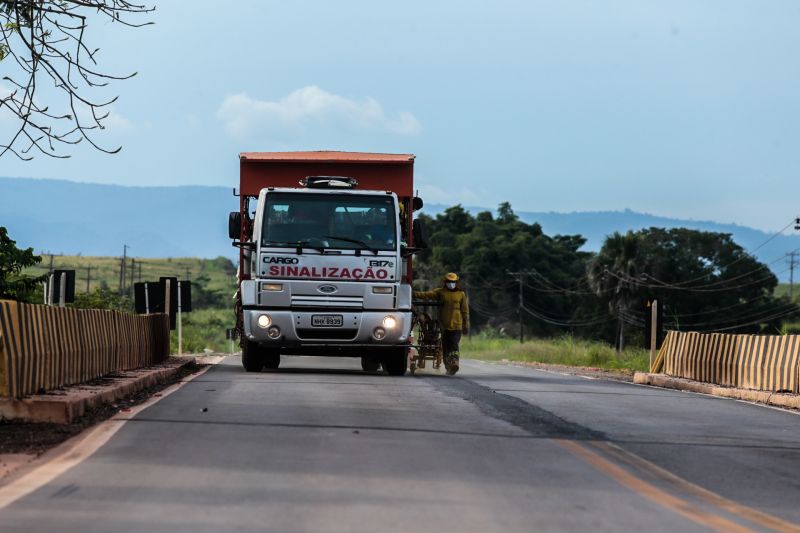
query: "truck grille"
328, 301
332, 334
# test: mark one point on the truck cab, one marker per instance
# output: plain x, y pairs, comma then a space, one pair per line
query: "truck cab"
326, 258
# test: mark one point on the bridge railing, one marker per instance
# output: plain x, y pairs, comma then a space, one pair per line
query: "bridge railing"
43, 347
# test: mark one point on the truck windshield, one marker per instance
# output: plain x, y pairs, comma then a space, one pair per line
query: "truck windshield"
342, 221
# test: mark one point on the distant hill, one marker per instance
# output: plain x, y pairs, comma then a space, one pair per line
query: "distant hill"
191, 221
91, 219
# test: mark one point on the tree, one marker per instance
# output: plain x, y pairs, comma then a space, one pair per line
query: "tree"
484, 248
706, 281
43, 48
614, 276
13, 284
103, 297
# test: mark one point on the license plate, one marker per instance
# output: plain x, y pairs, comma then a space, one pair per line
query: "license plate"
326, 320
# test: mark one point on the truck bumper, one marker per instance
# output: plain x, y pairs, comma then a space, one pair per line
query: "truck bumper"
360, 331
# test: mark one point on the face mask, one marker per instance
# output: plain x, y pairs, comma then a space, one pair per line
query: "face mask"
451, 285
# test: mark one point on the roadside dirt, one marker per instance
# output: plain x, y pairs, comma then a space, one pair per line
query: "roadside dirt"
33, 439
599, 373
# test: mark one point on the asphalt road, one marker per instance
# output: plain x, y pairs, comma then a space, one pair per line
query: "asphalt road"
321, 446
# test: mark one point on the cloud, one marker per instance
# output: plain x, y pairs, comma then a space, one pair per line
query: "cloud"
310, 109
117, 123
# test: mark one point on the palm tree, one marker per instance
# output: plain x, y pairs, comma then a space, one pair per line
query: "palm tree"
613, 274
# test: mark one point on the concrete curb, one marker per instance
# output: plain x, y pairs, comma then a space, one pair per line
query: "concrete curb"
790, 401
64, 406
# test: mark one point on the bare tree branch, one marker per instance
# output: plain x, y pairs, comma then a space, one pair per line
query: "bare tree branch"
42, 41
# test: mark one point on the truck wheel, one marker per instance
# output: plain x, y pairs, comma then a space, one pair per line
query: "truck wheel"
396, 362
368, 364
252, 357
272, 359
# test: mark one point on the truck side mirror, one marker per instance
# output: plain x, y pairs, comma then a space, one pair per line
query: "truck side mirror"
234, 225
420, 234
416, 203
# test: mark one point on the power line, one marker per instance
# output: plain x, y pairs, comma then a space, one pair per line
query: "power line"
748, 315
758, 321
721, 281
745, 255
638, 282
563, 323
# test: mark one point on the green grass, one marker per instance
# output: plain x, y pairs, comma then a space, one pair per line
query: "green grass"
205, 330
220, 272
561, 351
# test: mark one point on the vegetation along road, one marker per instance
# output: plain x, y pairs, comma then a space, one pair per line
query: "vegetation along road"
498, 448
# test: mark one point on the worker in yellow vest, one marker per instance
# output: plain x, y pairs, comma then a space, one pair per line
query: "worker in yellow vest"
453, 317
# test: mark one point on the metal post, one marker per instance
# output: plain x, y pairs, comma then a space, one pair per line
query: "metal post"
146, 299
50, 289
62, 292
167, 299
180, 330
653, 331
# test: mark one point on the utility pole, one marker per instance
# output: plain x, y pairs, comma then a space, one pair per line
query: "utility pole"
122, 265
792, 264
133, 273
520, 303
50, 268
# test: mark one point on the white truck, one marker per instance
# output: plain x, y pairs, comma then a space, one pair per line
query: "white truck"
326, 257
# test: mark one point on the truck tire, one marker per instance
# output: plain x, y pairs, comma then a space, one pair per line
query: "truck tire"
252, 357
396, 362
368, 364
272, 359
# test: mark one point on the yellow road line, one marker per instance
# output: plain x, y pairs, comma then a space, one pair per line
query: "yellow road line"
755, 516
650, 491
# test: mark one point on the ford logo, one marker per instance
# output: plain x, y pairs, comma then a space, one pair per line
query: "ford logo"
327, 289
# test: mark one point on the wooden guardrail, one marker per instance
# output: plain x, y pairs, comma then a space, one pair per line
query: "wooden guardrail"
43, 347
759, 362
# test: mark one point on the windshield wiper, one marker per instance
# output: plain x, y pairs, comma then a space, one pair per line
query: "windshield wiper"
354, 241
297, 244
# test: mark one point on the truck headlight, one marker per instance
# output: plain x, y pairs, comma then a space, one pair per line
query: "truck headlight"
264, 321
379, 334
389, 322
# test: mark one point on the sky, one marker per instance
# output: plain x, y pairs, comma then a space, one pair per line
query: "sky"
687, 109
